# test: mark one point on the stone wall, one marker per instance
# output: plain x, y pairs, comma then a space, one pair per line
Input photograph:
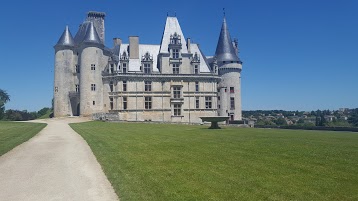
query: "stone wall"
105, 116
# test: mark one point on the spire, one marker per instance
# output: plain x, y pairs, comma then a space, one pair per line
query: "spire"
66, 38
225, 50
91, 35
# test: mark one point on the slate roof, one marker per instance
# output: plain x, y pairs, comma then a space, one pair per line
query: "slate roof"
225, 50
66, 38
172, 26
91, 35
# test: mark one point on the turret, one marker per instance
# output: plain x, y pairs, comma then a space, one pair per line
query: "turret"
91, 87
64, 80
229, 66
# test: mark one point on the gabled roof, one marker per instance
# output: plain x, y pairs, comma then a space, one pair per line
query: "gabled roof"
66, 38
91, 35
172, 26
225, 50
204, 66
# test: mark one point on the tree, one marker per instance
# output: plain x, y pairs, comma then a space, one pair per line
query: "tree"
4, 98
353, 119
300, 121
43, 111
265, 122
280, 121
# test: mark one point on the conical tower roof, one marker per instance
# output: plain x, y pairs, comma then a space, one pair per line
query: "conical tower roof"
91, 35
225, 50
66, 38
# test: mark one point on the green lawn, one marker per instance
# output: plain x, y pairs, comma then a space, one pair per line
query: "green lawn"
15, 133
47, 115
181, 162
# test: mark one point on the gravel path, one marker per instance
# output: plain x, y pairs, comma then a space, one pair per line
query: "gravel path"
56, 164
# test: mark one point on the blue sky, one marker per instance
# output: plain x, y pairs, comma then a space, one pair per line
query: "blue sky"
297, 54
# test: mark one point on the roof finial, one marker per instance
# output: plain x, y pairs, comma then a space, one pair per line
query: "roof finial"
167, 13
175, 13
224, 11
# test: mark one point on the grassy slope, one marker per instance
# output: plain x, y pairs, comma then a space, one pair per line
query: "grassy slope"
47, 115
15, 133
180, 162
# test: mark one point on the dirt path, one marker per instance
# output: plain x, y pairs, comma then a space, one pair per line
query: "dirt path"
56, 164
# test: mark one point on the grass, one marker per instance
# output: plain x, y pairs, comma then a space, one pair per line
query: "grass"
46, 115
181, 162
15, 133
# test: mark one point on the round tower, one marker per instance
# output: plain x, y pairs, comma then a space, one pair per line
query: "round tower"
230, 68
63, 74
91, 86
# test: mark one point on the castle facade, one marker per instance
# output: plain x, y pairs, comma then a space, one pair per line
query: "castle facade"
170, 82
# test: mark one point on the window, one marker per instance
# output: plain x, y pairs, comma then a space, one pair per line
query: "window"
225, 90
93, 87
112, 68
111, 86
175, 53
175, 68
218, 98
147, 69
197, 103
77, 88
56, 89
232, 103
148, 102
94, 102
124, 85
177, 109
147, 86
111, 103
196, 69
232, 90
176, 92
124, 103
93, 66
124, 67
208, 104
77, 68
196, 86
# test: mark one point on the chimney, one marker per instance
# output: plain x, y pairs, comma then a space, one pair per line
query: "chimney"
188, 44
133, 47
98, 21
117, 42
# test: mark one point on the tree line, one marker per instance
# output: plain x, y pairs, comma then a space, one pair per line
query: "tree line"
299, 118
18, 115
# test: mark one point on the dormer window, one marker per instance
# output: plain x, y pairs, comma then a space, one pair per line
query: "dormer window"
175, 39
196, 69
112, 68
147, 61
147, 68
196, 58
124, 56
196, 63
175, 53
124, 67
